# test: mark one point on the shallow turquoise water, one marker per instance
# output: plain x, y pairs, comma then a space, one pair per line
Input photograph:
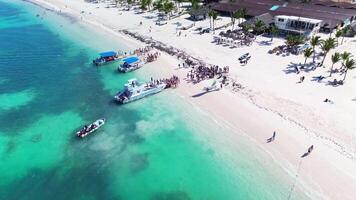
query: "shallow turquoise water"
149, 149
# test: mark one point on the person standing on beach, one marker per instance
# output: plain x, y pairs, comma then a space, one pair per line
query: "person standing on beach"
271, 139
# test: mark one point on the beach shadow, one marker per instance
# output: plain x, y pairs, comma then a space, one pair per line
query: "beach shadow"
264, 43
203, 93
333, 84
149, 17
291, 68
305, 154
309, 67
318, 79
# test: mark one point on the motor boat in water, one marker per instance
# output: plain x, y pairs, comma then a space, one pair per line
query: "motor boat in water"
87, 129
133, 90
130, 64
106, 57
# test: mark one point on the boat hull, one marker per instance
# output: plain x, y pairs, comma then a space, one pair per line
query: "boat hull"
98, 123
130, 69
101, 62
154, 91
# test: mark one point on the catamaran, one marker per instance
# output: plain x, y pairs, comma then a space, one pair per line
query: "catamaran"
87, 129
133, 90
130, 64
106, 57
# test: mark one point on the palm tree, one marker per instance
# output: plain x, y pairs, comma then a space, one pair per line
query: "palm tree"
274, 31
210, 14
144, 4
345, 31
259, 26
168, 7
314, 41
293, 40
307, 53
349, 64
345, 56
247, 27
234, 16
337, 35
326, 46
241, 13
149, 3
195, 4
334, 59
158, 5
214, 16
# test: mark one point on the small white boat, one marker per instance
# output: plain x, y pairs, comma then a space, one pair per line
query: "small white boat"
130, 64
243, 57
212, 87
87, 129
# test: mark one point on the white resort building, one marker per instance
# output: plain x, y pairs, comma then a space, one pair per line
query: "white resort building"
295, 24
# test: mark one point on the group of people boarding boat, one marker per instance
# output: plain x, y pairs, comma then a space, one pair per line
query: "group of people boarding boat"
171, 82
147, 53
199, 73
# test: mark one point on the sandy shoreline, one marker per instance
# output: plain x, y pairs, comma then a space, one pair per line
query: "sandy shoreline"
270, 102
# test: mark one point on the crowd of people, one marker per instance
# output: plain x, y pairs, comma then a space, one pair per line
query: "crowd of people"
86, 129
145, 52
142, 51
152, 56
199, 73
171, 82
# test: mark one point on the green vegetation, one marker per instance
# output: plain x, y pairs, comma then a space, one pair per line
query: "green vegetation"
307, 53
294, 40
273, 31
348, 65
326, 46
213, 16
259, 27
334, 59
314, 41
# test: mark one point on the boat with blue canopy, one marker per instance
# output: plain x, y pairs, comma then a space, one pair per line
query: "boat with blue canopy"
106, 57
130, 64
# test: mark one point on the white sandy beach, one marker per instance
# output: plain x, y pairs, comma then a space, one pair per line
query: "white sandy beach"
270, 101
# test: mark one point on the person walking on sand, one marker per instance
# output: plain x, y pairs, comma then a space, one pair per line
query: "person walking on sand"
271, 139
301, 79
310, 149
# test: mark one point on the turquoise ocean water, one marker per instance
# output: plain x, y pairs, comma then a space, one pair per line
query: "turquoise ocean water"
151, 149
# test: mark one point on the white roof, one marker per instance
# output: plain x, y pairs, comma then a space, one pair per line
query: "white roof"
304, 19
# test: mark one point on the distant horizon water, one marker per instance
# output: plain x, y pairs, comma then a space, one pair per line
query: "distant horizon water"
150, 149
